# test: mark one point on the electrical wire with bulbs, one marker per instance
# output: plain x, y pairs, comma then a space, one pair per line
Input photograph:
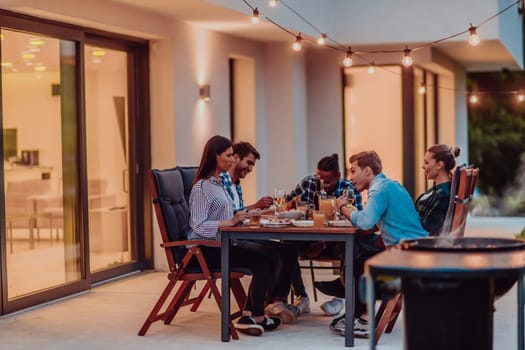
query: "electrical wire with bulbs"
406, 59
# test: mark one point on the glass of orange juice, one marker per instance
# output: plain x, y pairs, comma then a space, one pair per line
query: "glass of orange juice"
319, 218
327, 205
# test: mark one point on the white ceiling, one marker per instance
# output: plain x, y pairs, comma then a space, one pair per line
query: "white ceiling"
491, 55
213, 17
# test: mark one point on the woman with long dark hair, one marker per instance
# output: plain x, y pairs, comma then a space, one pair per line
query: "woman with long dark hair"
211, 209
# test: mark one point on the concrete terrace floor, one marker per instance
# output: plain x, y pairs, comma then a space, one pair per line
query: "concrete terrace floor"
109, 316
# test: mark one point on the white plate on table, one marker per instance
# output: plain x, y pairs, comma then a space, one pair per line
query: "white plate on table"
302, 223
339, 223
275, 223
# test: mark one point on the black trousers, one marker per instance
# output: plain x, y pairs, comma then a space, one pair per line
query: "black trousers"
258, 263
282, 257
365, 247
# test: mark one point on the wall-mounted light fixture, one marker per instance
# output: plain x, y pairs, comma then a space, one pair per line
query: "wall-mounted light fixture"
204, 92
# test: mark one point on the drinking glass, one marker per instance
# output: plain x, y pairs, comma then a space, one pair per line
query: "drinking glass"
319, 218
279, 199
301, 206
350, 196
255, 217
327, 205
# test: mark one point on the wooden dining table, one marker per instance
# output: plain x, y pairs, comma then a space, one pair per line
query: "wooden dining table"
289, 233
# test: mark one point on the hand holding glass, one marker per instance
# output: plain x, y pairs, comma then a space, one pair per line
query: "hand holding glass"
350, 196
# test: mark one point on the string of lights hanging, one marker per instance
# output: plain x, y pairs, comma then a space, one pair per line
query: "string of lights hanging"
406, 59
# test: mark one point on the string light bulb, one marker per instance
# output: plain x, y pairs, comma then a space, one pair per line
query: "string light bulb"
371, 68
297, 44
407, 60
422, 89
255, 16
521, 96
473, 99
347, 61
322, 40
272, 3
473, 38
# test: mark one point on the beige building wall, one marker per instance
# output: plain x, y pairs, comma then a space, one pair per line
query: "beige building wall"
298, 98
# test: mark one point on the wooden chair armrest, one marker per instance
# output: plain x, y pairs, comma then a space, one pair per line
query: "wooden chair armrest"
191, 243
206, 243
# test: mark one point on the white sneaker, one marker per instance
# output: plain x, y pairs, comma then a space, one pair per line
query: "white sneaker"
360, 328
303, 305
338, 327
333, 307
282, 311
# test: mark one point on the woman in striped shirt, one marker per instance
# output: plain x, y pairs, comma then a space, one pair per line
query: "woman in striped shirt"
211, 209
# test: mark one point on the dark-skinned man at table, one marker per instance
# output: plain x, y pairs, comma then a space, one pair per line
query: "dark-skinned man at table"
334, 185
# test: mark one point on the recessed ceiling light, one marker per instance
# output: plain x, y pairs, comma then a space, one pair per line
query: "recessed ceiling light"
28, 55
36, 42
98, 52
7, 64
40, 68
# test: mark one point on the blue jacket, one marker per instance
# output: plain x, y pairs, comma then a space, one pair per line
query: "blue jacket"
391, 208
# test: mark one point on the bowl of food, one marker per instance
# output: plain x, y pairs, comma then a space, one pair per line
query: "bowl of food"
291, 214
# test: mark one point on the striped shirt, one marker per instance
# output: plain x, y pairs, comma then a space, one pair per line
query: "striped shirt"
209, 204
306, 189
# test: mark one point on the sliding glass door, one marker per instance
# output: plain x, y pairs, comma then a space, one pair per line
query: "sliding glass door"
40, 152
73, 112
107, 139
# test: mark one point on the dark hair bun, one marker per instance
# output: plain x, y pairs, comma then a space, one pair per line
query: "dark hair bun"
455, 151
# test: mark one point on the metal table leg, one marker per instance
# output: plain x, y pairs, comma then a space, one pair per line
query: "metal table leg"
349, 290
371, 301
521, 323
225, 295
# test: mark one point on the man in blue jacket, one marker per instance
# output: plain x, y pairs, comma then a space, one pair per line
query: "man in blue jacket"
389, 207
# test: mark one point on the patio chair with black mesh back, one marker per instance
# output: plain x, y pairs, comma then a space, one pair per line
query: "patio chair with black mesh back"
185, 260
